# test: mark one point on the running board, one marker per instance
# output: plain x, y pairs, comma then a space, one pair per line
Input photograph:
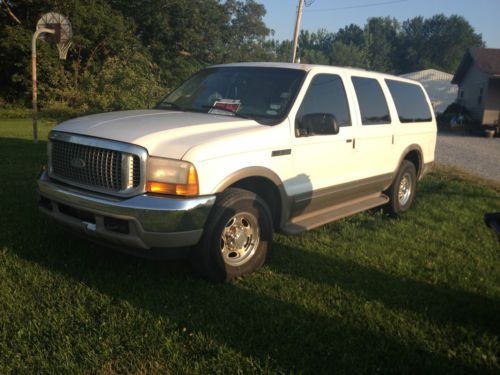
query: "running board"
315, 219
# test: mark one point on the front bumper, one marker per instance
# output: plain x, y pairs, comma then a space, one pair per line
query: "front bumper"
142, 222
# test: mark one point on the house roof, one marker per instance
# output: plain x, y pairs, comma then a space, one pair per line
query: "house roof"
486, 59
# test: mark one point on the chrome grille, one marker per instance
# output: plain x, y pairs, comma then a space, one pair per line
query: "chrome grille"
136, 171
94, 167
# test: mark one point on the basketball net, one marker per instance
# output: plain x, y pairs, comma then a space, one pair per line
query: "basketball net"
63, 48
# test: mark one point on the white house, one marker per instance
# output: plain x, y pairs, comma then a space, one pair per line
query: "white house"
438, 86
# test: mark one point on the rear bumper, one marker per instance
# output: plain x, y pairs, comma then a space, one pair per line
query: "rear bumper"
142, 222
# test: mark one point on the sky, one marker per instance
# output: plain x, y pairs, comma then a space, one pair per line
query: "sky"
483, 15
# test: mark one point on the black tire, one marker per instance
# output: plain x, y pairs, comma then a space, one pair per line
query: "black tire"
398, 204
236, 238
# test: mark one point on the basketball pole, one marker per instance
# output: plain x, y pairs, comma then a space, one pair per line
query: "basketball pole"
34, 78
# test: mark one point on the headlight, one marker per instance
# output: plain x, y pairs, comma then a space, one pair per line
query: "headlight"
166, 176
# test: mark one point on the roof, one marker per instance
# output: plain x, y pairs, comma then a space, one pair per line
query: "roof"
308, 67
486, 59
428, 75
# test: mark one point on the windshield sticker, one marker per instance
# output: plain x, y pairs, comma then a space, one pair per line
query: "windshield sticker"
225, 107
275, 106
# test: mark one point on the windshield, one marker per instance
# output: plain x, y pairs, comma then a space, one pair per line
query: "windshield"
263, 94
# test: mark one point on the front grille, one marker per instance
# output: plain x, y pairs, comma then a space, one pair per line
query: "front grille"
136, 171
93, 166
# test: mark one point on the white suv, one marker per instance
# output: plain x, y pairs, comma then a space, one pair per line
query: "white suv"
236, 152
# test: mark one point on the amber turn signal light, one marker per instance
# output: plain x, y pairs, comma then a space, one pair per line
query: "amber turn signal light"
190, 188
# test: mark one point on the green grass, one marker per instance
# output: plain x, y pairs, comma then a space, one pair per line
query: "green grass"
368, 294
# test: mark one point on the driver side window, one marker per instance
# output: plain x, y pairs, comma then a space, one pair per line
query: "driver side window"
326, 94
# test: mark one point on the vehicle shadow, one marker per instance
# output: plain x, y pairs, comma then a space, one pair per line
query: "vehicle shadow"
274, 328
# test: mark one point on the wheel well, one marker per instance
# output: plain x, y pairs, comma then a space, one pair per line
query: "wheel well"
267, 190
414, 157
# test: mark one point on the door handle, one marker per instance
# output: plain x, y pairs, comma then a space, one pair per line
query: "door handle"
348, 140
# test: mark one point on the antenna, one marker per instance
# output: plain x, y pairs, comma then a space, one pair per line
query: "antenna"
57, 30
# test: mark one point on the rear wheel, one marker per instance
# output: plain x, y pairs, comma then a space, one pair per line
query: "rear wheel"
402, 191
236, 237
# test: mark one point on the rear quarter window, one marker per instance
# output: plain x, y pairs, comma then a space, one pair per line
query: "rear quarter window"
410, 101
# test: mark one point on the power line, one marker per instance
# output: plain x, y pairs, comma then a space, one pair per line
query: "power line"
356, 6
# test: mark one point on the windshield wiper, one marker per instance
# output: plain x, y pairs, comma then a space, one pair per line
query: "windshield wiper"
171, 105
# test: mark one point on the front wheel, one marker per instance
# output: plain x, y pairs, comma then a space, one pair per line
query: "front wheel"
402, 191
236, 237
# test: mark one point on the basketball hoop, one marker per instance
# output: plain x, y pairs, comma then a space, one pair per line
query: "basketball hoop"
62, 34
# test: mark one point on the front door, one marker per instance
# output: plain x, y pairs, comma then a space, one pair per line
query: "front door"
325, 161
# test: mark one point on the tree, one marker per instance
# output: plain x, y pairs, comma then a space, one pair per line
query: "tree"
438, 42
380, 43
352, 34
101, 35
447, 40
348, 55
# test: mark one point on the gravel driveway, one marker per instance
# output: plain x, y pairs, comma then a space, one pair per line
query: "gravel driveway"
478, 155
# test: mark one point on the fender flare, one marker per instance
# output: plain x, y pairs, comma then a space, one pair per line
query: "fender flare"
406, 151
261, 172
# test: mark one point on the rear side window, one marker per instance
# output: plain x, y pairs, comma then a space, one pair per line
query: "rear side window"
326, 94
372, 103
410, 101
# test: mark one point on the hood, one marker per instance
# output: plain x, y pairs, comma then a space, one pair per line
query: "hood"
163, 133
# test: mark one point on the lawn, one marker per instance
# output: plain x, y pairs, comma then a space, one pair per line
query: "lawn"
368, 294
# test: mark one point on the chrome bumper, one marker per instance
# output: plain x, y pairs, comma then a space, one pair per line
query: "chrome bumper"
141, 222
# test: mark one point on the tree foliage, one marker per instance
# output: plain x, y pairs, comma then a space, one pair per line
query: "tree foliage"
386, 45
126, 54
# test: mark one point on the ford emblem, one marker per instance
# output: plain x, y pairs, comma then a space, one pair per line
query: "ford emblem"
77, 163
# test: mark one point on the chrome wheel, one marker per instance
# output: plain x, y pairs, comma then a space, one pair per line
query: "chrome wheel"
239, 239
404, 191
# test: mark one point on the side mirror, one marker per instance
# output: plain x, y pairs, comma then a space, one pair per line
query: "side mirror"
317, 124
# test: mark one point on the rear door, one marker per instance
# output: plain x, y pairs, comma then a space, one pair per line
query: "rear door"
374, 141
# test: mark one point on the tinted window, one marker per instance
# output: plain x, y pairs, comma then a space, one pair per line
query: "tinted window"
371, 101
326, 94
410, 101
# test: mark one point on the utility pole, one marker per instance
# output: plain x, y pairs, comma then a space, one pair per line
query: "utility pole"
297, 29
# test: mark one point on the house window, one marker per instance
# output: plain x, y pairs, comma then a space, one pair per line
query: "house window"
480, 97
